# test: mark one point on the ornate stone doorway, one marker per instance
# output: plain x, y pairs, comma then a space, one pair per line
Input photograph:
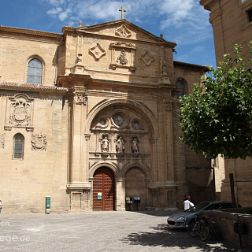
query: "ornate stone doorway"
121, 139
104, 190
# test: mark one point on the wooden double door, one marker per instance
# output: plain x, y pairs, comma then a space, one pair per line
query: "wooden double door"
104, 190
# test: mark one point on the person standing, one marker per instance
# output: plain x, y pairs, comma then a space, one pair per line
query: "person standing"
187, 203
1, 205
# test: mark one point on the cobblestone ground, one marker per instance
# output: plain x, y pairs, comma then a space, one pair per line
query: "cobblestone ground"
97, 231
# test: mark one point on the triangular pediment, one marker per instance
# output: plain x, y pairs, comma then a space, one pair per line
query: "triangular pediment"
123, 29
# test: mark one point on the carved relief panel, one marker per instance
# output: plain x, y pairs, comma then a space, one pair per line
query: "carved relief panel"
39, 141
123, 56
120, 133
123, 32
147, 58
80, 97
20, 112
97, 51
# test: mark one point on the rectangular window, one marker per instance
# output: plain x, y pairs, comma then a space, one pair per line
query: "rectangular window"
249, 14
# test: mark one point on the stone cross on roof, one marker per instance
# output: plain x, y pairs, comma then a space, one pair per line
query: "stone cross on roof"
122, 10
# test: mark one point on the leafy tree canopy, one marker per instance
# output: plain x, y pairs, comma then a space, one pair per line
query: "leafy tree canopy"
216, 118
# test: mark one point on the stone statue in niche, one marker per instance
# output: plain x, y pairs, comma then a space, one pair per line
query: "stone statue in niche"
135, 145
105, 144
39, 141
79, 58
120, 147
164, 68
122, 58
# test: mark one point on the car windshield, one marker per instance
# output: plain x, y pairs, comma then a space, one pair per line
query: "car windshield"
198, 207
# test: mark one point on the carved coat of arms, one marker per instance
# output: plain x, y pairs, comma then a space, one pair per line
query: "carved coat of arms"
20, 111
39, 141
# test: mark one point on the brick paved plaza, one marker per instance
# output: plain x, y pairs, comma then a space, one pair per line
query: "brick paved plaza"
97, 231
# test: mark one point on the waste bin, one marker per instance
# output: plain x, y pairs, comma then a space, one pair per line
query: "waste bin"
128, 201
136, 203
47, 204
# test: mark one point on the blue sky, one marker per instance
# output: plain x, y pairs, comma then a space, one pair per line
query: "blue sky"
184, 22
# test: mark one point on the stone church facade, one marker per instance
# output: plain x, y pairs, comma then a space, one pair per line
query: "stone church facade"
232, 23
90, 118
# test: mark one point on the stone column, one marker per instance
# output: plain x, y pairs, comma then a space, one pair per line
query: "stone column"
78, 165
169, 173
78, 120
120, 194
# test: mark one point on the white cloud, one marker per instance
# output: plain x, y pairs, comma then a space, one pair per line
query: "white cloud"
63, 15
176, 11
56, 2
98, 9
54, 11
173, 12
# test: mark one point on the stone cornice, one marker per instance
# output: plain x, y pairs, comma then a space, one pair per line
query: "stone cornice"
134, 85
195, 66
90, 31
12, 86
35, 33
207, 4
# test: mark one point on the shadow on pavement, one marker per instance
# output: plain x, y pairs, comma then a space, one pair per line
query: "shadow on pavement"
165, 237
157, 212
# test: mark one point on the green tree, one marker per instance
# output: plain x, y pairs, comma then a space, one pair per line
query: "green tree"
216, 118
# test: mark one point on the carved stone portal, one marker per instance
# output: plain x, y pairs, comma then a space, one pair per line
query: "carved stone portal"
119, 134
39, 141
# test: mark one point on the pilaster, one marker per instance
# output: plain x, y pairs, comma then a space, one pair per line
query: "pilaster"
120, 194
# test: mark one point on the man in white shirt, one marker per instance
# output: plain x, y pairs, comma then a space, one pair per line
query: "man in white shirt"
188, 204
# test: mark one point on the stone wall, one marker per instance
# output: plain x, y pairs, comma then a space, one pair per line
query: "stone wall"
90, 74
231, 25
43, 170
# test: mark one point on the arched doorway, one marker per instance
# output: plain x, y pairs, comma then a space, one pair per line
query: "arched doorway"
135, 188
104, 190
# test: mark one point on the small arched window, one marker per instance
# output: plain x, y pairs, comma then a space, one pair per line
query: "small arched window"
181, 86
34, 71
18, 148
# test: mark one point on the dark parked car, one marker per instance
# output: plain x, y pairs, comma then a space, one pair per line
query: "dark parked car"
186, 218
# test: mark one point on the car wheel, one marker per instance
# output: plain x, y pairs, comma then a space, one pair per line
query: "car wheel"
193, 228
205, 232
